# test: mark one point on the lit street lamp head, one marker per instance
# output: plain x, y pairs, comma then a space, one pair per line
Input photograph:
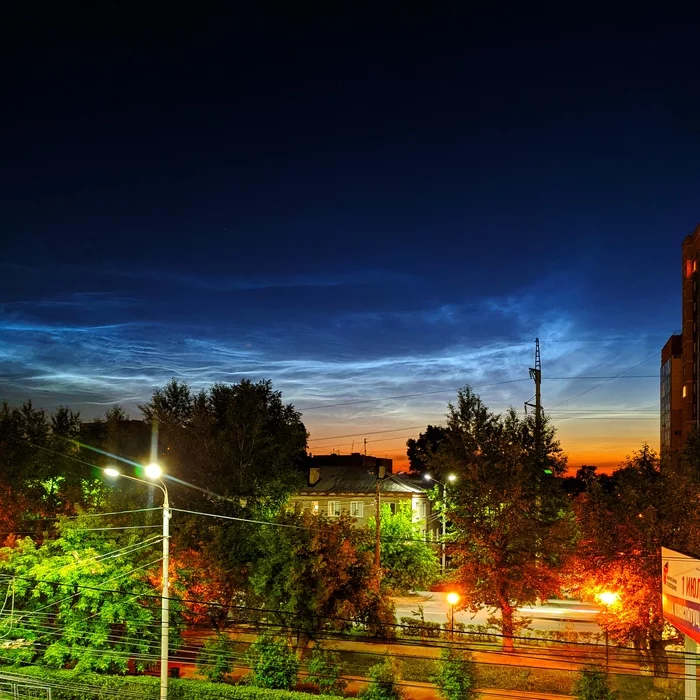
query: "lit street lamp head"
451, 477
153, 471
427, 477
111, 471
453, 598
608, 598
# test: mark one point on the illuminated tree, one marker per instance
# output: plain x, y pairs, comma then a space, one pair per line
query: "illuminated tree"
623, 528
512, 526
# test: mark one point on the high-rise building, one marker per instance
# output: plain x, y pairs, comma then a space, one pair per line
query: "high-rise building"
687, 392
671, 394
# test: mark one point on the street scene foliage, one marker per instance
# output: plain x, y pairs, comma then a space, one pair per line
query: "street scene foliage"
80, 565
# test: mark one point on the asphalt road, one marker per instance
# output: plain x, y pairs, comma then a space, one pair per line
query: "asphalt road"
551, 615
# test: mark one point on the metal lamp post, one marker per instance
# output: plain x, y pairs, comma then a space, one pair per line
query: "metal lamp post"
607, 598
452, 599
450, 478
154, 472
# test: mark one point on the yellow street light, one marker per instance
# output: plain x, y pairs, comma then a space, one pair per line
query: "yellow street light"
452, 599
153, 471
607, 598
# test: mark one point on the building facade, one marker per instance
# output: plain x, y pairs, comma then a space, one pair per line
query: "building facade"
680, 360
347, 485
671, 395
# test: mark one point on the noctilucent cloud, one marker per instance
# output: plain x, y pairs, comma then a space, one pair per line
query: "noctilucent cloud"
369, 211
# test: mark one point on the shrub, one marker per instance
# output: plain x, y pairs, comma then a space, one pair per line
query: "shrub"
274, 664
385, 679
215, 661
592, 684
456, 677
324, 671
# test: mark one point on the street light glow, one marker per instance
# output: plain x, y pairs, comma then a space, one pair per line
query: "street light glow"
453, 598
427, 477
153, 471
451, 477
111, 471
608, 598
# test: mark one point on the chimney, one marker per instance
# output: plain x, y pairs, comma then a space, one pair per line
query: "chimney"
314, 475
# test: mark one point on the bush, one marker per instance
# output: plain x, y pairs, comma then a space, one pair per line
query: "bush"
385, 680
215, 660
592, 684
324, 671
456, 677
274, 664
69, 685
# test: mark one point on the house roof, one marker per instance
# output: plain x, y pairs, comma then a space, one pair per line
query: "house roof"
354, 480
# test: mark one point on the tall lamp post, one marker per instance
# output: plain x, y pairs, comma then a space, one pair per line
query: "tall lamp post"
154, 473
608, 599
450, 478
452, 599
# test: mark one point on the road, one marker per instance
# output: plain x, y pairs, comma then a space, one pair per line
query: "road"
552, 615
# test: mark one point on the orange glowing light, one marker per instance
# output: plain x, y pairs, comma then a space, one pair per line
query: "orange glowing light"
608, 598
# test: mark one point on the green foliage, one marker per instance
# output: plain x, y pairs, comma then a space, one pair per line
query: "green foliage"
274, 663
511, 521
593, 684
215, 660
66, 685
318, 575
85, 598
385, 681
324, 671
409, 563
456, 677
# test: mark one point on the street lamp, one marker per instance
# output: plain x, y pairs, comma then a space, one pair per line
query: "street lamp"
452, 599
608, 599
450, 478
154, 473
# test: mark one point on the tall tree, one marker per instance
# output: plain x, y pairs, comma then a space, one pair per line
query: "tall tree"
623, 525
419, 451
512, 526
318, 573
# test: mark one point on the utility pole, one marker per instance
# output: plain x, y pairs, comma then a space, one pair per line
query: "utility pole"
378, 516
536, 376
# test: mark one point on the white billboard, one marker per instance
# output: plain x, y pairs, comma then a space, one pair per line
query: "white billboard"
680, 588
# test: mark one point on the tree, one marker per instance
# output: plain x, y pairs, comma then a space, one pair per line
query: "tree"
408, 561
274, 663
622, 531
84, 598
325, 668
385, 681
593, 684
419, 451
456, 677
512, 526
215, 660
317, 573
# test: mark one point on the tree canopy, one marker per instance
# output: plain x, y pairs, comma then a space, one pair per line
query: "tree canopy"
512, 527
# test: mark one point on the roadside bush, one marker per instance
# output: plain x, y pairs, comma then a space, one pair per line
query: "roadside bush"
215, 660
324, 671
274, 664
385, 679
456, 677
593, 684
69, 685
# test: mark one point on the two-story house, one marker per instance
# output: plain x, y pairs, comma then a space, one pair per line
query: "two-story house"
347, 484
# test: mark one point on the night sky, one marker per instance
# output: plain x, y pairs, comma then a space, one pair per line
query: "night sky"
359, 206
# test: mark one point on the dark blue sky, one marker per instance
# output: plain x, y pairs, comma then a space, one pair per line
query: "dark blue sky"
356, 205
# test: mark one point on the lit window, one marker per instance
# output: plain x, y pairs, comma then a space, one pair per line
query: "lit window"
688, 268
357, 509
314, 506
334, 508
422, 509
685, 391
